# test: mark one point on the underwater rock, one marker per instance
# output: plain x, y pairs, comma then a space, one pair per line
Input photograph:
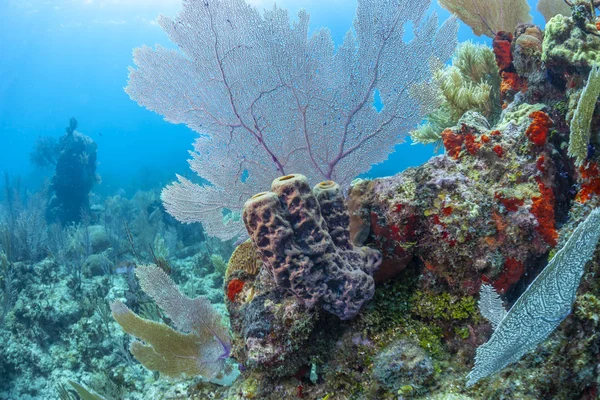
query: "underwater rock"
74, 176
395, 243
485, 211
403, 364
569, 45
270, 326
302, 236
99, 240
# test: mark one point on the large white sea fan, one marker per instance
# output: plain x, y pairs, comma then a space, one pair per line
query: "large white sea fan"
269, 99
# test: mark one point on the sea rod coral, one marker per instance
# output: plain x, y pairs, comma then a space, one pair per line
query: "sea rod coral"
401, 260
270, 99
582, 117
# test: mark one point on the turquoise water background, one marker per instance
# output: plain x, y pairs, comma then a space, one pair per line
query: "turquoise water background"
69, 58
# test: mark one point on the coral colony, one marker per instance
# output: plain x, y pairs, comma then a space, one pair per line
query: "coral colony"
472, 276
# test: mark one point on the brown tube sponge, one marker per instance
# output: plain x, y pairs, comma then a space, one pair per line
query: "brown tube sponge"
302, 237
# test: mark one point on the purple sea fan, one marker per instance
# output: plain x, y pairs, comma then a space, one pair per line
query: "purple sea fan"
202, 344
269, 99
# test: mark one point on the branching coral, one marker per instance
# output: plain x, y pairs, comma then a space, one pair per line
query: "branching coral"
45, 151
487, 17
470, 84
462, 95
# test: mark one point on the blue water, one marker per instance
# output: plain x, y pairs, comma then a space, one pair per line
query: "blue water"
69, 58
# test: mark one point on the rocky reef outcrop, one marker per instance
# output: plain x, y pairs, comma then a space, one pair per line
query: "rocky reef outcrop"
493, 209
74, 176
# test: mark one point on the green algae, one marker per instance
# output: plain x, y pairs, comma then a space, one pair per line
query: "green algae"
567, 45
444, 306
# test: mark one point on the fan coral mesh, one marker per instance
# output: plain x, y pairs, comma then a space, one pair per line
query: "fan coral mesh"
489, 17
202, 346
541, 308
269, 99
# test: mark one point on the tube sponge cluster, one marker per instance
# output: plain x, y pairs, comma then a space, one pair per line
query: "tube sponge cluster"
302, 237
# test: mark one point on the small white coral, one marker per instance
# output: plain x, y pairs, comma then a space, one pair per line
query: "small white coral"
490, 305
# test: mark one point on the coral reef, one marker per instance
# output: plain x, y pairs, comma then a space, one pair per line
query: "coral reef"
74, 176
487, 215
387, 288
55, 320
478, 212
541, 308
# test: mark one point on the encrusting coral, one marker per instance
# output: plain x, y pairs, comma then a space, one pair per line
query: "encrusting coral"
569, 45
244, 258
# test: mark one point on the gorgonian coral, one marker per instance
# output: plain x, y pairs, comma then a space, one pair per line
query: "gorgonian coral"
270, 99
489, 17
